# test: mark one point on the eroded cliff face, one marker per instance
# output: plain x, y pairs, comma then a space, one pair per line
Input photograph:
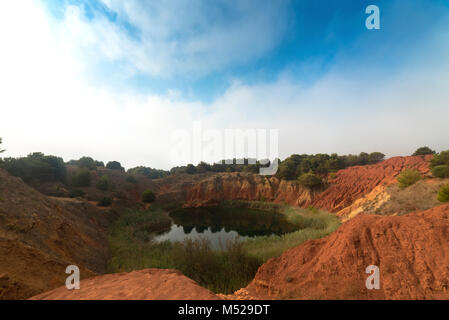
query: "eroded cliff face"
410, 251
345, 188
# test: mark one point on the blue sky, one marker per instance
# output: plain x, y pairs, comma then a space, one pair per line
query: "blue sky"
148, 68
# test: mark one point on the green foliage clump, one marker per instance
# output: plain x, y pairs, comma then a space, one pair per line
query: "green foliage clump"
87, 162
408, 177
105, 202
440, 159
1, 143
114, 165
81, 178
148, 196
443, 194
131, 179
423, 151
148, 172
310, 181
103, 183
75, 193
36, 166
441, 171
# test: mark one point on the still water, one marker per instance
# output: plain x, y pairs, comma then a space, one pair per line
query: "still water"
218, 225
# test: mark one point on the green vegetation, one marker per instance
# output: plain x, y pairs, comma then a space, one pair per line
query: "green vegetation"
441, 171
148, 172
148, 196
311, 181
131, 179
87, 162
36, 166
75, 193
408, 177
114, 165
105, 202
1, 150
103, 183
298, 165
443, 194
81, 178
440, 159
423, 151
222, 271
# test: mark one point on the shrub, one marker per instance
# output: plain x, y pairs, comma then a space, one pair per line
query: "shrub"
103, 183
441, 171
443, 195
81, 178
310, 181
423, 151
408, 177
105, 202
75, 193
36, 166
439, 159
114, 165
131, 179
148, 196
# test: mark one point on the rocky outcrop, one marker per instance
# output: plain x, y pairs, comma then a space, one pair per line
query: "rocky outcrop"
148, 284
410, 251
347, 186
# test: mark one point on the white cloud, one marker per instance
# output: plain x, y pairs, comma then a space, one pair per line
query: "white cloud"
47, 103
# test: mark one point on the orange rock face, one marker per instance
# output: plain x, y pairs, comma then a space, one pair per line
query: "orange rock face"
148, 284
348, 185
410, 251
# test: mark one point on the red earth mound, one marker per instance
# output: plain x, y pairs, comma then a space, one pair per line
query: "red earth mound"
410, 251
148, 284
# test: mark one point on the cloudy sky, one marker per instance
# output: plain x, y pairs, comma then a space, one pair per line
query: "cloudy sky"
114, 79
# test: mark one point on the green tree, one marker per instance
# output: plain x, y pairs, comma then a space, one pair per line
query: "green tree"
191, 169
408, 177
114, 165
81, 178
310, 181
103, 183
148, 196
443, 195
423, 151
441, 171
439, 159
375, 157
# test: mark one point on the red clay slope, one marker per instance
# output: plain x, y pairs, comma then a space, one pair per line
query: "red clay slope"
411, 252
148, 284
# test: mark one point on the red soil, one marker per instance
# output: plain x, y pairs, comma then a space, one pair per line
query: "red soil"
148, 284
410, 250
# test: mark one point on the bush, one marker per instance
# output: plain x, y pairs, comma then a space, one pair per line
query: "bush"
103, 183
408, 177
148, 196
131, 179
114, 165
440, 159
36, 166
81, 178
441, 171
105, 202
423, 151
310, 181
75, 193
443, 195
